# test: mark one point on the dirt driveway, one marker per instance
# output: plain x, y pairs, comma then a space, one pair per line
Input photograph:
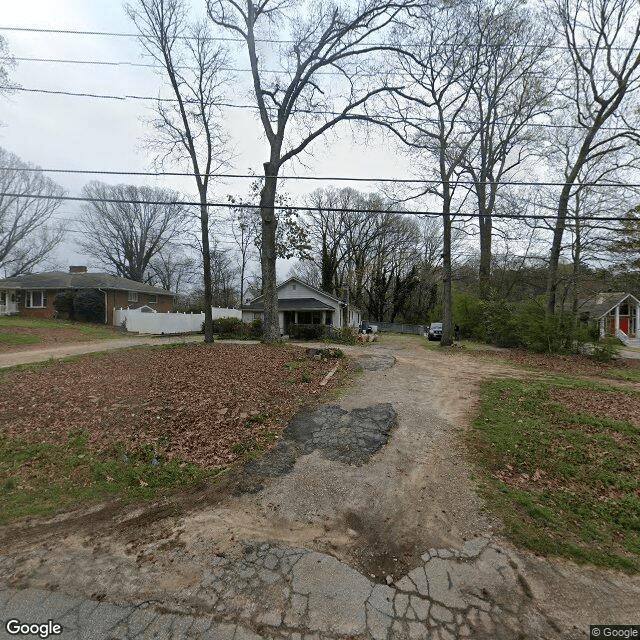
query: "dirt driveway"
404, 513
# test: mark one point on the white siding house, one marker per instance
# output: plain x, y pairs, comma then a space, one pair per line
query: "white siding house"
300, 303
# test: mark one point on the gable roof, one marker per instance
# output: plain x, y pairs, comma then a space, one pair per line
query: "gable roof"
64, 280
603, 303
260, 298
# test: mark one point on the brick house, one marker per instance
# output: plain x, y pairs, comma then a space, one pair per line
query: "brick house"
32, 295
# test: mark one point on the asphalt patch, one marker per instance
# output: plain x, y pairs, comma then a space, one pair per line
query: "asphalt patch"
350, 437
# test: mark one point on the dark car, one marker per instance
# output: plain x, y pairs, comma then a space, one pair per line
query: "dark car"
365, 327
435, 331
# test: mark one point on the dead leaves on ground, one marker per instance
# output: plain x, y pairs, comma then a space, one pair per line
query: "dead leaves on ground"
192, 403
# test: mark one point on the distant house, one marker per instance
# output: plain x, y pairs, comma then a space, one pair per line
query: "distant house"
300, 303
32, 295
616, 314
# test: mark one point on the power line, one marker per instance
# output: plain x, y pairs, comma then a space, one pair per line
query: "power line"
116, 34
181, 174
143, 65
233, 205
253, 107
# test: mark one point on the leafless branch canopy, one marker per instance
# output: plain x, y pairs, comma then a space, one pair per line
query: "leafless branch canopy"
127, 233
27, 235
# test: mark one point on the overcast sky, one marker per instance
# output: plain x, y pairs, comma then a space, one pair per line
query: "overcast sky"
68, 132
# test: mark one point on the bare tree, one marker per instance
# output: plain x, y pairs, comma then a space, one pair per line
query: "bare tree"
28, 202
439, 55
244, 231
510, 90
328, 224
602, 39
187, 128
125, 226
7, 63
173, 269
300, 104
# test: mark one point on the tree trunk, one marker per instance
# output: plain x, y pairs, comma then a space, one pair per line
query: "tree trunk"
206, 264
447, 311
484, 271
271, 323
556, 248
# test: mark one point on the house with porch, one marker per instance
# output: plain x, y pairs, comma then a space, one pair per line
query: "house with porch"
617, 314
32, 295
300, 303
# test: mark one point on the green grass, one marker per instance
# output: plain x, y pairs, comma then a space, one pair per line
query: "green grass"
626, 375
63, 475
585, 504
11, 339
94, 331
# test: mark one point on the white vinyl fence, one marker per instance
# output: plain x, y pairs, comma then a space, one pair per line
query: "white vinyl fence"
147, 320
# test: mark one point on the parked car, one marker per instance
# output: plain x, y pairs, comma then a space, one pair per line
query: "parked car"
435, 331
365, 327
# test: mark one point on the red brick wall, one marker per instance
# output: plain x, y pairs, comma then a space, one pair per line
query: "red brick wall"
113, 299
38, 312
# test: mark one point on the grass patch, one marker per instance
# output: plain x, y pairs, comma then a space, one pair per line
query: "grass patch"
93, 331
564, 482
11, 339
249, 449
626, 375
39, 479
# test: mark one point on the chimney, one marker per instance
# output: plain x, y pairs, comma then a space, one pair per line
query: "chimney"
78, 269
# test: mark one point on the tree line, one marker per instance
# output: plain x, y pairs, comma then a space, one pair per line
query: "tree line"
482, 95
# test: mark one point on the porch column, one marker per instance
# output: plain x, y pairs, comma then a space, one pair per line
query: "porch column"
616, 326
602, 327
295, 317
636, 326
324, 317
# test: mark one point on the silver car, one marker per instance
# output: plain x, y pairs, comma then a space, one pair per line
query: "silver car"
435, 331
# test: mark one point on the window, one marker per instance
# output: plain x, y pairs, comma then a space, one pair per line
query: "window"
153, 298
35, 299
133, 296
3, 297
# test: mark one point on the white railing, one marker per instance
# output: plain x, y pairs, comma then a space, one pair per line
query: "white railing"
622, 336
137, 321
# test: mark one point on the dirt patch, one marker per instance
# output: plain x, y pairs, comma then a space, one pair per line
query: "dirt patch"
575, 365
609, 404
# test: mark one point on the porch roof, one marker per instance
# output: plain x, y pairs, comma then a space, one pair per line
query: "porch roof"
603, 303
292, 304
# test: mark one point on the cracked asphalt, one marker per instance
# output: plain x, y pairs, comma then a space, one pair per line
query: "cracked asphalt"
327, 538
282, 593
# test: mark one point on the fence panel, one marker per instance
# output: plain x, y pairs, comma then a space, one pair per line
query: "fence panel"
417, 329
137, 321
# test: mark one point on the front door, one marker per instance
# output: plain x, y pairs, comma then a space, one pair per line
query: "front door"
624, 324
